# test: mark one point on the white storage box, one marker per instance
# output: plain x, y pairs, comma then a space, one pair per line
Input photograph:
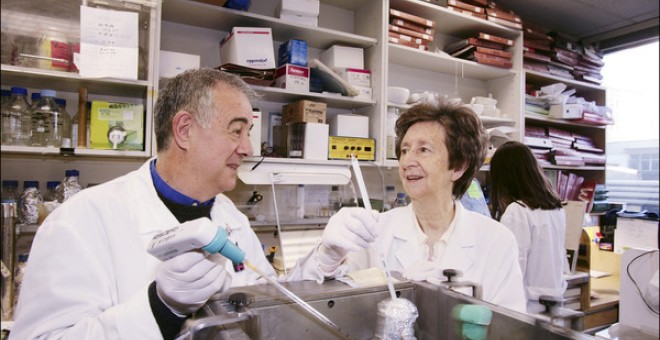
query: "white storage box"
356, 76
298, 7
316, 141
173, 63
255, 133
248, 46
338, 57
566, 111
292, 77
307, 20
349, 125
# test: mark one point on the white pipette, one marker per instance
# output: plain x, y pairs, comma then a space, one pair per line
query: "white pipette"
367, 205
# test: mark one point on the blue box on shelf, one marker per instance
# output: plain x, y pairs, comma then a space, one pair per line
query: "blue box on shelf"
293, 52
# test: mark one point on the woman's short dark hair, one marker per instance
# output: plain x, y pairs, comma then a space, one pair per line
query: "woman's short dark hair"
464, 137
516, 176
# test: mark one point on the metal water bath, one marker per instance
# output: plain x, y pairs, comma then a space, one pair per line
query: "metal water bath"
262, 312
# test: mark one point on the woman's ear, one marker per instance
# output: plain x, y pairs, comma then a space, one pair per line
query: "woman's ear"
456, 174
182, 129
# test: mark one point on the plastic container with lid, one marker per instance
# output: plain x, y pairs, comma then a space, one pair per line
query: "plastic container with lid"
28, 203
16, 118
401, 200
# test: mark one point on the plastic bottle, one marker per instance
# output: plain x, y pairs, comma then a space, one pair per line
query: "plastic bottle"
10, 191
48, 121
390, 197
69, 187
66, 124
28, 203
19, 271
334, 200
401, 200
16, 118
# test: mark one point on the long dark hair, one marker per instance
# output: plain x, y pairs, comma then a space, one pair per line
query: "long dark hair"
516, 176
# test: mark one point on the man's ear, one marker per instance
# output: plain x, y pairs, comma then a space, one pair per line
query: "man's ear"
182, 129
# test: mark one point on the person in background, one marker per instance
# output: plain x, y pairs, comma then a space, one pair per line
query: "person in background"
89, 275
523, 200
439, 151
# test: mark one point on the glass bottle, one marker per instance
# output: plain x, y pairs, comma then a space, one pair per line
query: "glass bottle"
69, 187
401, 200
6, 97
9, 191
18, 276
51, 194
390, 197
28, 203
48, 120
14, 115
66, 124
34, 99
334, 200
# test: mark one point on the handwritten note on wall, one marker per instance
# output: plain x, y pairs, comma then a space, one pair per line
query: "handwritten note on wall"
108, 43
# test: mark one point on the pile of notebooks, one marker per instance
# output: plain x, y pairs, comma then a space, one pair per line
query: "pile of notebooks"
560, 55
486, 10
484, 48
560, 147
410, 30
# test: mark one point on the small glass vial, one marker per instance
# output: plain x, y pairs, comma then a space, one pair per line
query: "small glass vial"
28, 203
401, 200
390, 197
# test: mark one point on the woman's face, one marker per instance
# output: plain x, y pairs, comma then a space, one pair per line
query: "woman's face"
424, 163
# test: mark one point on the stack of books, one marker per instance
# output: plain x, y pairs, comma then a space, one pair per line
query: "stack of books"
410, 30
537, 45
589, 65
554, 146
475, 8
484, 48
499, 15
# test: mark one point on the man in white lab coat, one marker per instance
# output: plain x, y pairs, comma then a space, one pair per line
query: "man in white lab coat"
89, 275
439, 151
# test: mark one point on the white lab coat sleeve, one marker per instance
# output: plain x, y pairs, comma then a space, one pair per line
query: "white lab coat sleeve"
71, 295
505, 280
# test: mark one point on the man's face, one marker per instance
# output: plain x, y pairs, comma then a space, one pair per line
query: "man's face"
219, 149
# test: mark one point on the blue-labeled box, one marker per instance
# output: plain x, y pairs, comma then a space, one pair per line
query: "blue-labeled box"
293, 52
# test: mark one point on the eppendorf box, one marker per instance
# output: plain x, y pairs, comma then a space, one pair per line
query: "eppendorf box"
292, 77
248, 46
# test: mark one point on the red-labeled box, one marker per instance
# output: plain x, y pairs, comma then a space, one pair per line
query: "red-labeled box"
292, 77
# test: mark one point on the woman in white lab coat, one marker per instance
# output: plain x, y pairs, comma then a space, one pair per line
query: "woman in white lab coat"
439, 150
89, 275
523, 200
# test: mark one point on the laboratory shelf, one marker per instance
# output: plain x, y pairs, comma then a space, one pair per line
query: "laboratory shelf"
276, 94
83, 152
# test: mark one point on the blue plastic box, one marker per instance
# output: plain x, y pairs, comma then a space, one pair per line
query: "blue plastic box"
293, 52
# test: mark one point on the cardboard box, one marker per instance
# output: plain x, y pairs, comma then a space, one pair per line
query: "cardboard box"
338, 57
355, 76
255, 133
298, 7
349, 125
173, 63
122, 121
292, 77
293, 52
248, 46
304, 111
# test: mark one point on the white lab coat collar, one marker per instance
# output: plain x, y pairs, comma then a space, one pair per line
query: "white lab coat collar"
460, 252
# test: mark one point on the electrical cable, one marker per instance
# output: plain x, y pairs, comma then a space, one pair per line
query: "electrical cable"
277, 219
635, 282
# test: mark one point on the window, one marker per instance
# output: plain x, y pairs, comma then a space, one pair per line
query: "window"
631, 78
